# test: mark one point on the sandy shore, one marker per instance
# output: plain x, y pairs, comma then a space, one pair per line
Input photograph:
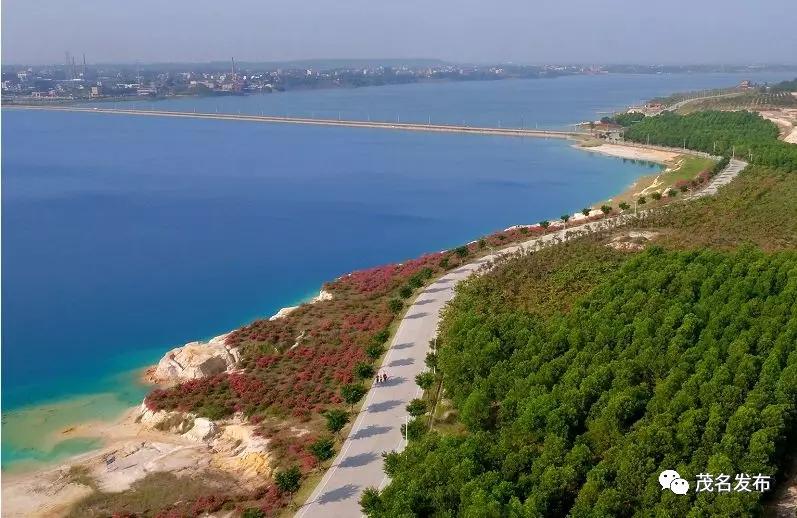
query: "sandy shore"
128, 452
633, 152
135, 451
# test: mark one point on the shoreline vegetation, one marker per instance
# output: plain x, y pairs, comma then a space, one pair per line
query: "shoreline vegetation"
288, 427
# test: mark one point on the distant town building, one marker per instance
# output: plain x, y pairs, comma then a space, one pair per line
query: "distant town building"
607, 130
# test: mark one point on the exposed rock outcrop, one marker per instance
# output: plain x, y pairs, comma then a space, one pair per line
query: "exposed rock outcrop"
196, 360
203, 430
283, 312
322, 296
632, 241
166, 421
240, 451
232, 445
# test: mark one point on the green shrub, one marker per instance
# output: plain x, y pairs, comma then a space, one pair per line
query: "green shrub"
323, 448
288, 480
336, 419
364, 370
425, 380
374, 351
352, 393
417, 407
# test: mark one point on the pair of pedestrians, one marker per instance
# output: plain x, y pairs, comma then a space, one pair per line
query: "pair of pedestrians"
381, 377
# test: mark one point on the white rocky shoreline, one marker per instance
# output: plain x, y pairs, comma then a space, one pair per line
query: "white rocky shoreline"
196, 360
144, 441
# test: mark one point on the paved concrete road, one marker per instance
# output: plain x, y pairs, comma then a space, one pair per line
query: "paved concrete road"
723, 178
377, 428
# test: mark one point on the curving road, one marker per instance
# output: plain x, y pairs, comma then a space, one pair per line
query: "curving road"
377, 428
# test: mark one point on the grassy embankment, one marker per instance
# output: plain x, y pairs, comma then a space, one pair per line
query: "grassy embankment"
684, 168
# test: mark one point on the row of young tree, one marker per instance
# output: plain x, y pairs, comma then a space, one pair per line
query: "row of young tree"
743, 134
676, 360
624, 119
785, 86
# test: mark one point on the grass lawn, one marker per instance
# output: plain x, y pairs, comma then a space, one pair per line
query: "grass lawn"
689, 167
683, 167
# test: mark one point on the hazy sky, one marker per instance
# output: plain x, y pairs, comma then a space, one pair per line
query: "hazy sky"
523, 31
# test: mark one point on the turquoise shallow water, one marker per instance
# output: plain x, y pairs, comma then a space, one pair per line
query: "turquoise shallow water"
125, 236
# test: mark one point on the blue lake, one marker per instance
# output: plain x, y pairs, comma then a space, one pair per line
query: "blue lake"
125, 236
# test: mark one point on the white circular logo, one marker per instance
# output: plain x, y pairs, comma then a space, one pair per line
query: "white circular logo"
666, 477
679, 486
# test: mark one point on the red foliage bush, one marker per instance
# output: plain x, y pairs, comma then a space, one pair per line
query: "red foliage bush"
382, 279
207, 504
270, 500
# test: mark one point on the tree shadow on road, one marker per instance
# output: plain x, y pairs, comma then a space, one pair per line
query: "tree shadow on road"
383, 406
401, 362
393, 382
371, 431
405, 345
435, 290
336, 495
415, 315
358, 460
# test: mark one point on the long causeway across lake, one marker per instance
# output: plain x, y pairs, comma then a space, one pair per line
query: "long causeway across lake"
404, 126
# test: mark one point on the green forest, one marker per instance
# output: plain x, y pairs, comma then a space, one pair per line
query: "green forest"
577, 385
574, 375
785, 86
745, 134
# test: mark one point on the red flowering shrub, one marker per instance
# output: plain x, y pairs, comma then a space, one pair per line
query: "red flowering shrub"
682, 185
207, 504
705, 175
383, 279
270, 500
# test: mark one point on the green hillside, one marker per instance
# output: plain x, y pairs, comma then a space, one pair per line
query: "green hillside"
577, 374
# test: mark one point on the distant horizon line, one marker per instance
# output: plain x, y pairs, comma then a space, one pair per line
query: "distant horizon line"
416, 61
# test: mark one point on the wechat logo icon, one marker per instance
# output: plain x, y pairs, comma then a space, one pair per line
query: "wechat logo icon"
670, 479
